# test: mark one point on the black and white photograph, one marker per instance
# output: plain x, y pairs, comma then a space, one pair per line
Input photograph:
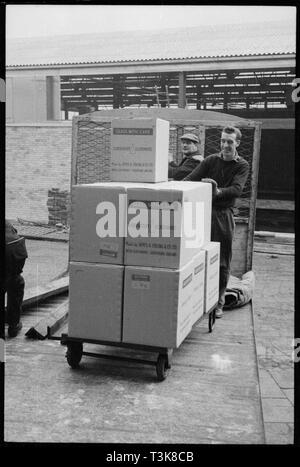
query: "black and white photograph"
148, 297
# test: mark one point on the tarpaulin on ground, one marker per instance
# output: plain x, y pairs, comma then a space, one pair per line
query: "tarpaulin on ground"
239, 291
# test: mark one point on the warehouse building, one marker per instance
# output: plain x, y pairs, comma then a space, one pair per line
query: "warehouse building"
242, 70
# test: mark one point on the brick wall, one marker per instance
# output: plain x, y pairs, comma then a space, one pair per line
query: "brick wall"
38, 159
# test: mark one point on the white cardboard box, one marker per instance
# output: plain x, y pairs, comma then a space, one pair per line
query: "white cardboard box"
139, 149
167, 214
157, 305
212, 251
198, 286
90, 221
95, 301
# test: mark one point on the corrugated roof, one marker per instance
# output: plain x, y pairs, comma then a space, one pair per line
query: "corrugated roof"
267, 38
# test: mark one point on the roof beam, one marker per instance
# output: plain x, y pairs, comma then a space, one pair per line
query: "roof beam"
160, 66
203, 83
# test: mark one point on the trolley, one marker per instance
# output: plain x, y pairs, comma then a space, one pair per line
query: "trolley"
91, 138
162, 363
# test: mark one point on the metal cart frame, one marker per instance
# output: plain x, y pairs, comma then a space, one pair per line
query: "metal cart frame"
162, 364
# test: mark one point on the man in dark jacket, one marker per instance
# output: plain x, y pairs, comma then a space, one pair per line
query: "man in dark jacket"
191, 157
14, 284
227, 172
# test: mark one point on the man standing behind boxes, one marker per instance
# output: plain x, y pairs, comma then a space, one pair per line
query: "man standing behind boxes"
191, 157
227, 172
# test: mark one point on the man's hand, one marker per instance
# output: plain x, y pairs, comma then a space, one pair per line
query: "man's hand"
214, 185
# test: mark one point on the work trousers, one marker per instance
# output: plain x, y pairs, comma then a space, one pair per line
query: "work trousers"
222, 230
14, 287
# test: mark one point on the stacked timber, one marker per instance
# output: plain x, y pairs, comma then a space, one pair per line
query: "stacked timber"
58, 206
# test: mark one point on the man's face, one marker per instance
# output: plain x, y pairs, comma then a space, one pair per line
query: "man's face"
229, 145
188, 147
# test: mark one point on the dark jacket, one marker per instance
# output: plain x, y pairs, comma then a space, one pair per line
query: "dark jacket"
185, 167
231, 177
15, 250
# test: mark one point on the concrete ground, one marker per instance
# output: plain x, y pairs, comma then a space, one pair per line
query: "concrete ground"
211, 395
231, 386
273, 306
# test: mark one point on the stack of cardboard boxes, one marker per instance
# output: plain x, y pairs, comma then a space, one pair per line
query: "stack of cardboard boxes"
142, 267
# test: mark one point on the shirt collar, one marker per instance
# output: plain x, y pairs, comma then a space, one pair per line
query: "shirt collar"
236, 157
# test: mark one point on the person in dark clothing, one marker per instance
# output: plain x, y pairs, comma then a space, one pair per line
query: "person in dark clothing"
14, 284
191, 158
227, 172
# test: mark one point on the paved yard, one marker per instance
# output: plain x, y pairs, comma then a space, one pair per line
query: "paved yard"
273, 306
212, 395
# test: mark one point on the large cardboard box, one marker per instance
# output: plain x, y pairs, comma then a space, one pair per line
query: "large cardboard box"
157, 305
167, 223
198, 286
212, 251
95, 301
139, 150
98, 222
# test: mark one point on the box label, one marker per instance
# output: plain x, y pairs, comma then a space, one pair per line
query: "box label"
109, 249
140, 281
198, 269
214, 259
187, 281
133, 131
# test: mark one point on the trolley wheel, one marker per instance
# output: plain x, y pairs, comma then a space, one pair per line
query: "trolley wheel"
74, 353
162, 367
211, 320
